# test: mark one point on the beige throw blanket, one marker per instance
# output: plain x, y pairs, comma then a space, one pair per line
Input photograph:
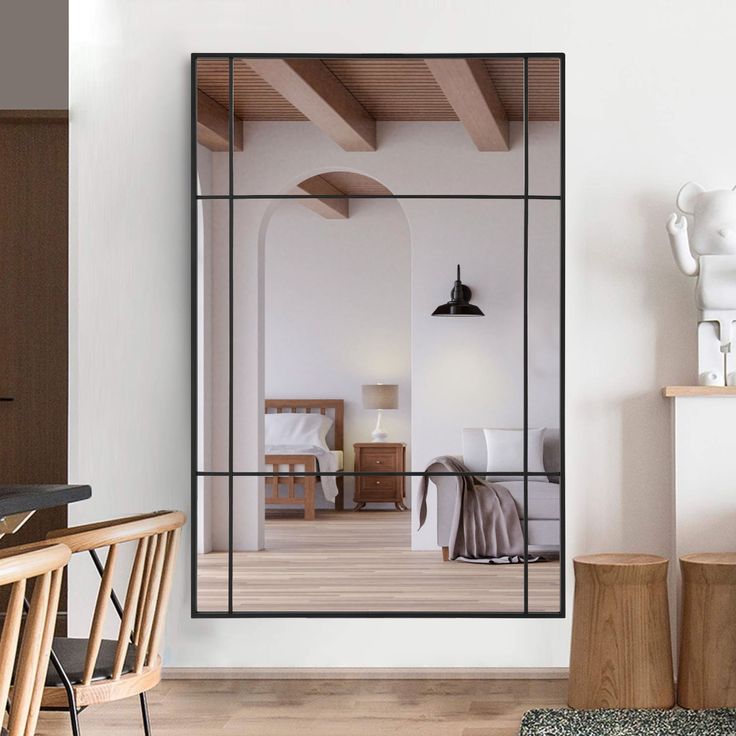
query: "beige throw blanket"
486, 523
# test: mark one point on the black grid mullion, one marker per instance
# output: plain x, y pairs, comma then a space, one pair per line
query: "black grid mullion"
381, 196
231, 332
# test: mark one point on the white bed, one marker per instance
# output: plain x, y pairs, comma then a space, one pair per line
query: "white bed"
300, 447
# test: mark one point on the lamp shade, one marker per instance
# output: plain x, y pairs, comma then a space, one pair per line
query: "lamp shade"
380, 396
459, 304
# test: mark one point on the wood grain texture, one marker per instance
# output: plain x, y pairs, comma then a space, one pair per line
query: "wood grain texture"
621, 655
44, 565
388, 89
30, 650
34, 316
707, 665
374, 457
364, 562
213, 125
353, 183
34, 116
129, 609
167, 579
329, 207
44, 650
328, 707
468, 87
117, 531
98, 619
311, 88
33, 292
675, 391
149, 583
105, 691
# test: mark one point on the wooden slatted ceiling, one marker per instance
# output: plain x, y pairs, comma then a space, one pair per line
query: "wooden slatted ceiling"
393, 89
544, 87
254, 98
389, 89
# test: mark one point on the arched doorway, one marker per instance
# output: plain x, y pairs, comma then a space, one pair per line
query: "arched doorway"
336, 299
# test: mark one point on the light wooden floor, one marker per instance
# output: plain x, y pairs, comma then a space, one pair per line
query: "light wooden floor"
322, 708
363, 562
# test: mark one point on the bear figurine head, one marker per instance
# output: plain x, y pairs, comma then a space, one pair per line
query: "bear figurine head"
714, 218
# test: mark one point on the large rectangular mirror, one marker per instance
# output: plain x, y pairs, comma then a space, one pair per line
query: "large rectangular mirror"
378, 316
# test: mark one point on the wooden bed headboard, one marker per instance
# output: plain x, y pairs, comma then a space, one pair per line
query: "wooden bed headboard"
333, 408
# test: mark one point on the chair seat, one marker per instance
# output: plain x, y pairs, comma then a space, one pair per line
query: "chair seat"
72, 653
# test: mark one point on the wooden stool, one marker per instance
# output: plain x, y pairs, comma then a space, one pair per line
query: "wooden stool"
707, 669
621, 654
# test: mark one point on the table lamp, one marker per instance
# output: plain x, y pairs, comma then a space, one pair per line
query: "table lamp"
380, 396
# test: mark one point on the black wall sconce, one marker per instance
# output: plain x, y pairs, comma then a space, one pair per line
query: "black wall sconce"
459, 304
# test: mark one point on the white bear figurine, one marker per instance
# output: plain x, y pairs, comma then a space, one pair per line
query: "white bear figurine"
709, 254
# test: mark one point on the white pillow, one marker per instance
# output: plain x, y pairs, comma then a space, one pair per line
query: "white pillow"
297, 429
505, 448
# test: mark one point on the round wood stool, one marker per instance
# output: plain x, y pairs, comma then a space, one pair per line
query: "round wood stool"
707, 670
621, 654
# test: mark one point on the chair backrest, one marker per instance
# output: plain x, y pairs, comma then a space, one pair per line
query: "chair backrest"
143, 614
24, 658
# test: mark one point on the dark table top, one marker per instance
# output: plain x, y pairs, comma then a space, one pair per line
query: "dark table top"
17, 499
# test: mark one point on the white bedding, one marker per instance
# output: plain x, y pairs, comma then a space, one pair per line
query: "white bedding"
328, 461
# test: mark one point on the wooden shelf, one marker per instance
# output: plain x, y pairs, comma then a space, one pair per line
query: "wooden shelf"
674, 391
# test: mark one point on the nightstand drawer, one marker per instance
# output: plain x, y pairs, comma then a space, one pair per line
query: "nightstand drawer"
377, 483
378, 459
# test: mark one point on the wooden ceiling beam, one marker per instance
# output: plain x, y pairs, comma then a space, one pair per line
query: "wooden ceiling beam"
316, 186
212, 125
317, 93
470, 90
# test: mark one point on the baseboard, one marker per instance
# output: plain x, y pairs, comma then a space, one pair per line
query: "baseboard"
365, 673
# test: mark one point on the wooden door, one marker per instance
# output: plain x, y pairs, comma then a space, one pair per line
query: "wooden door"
34, 308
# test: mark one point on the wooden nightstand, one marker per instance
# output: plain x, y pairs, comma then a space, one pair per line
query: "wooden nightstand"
374, 457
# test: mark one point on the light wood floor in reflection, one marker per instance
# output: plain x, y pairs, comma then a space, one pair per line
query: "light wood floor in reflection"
321, 708
363, 562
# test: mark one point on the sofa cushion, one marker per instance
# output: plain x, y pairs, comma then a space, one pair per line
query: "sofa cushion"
505, 448
475, 455
544, 498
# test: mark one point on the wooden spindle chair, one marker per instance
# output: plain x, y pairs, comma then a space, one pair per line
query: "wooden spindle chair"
33, 571
96, 670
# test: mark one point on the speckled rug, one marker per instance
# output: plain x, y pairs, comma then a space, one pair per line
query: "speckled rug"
676, 722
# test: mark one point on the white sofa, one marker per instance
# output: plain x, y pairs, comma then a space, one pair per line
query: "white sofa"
543, 493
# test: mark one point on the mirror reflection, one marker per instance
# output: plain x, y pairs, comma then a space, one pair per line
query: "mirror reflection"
378, 336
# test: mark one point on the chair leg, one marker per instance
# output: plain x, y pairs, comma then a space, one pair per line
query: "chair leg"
74, 717
144, 713
71, 699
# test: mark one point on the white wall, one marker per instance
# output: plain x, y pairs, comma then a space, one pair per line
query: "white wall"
338, 313
646, 110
